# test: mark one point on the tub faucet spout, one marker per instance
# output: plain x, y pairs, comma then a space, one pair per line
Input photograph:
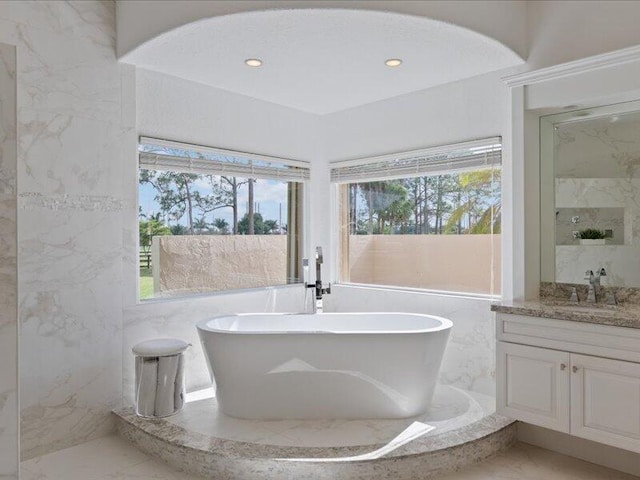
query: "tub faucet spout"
319, 289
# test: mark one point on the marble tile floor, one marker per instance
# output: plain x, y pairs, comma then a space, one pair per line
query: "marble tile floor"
112, 458
451, 409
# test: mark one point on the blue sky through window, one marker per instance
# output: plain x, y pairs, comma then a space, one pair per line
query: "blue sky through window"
269, 195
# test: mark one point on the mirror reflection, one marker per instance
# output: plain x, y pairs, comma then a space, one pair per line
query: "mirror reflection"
590, 195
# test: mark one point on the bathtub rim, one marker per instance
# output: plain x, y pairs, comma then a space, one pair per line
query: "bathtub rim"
445, 324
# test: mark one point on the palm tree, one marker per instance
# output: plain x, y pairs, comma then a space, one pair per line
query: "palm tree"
201, 226
221, 225
479, 205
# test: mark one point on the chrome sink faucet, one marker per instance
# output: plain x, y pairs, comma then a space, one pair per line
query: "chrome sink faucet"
594, 280
319, 289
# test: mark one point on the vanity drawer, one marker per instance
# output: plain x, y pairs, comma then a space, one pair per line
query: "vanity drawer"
579, 337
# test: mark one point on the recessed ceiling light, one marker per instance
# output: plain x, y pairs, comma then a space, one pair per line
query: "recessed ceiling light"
393, 62
253, 62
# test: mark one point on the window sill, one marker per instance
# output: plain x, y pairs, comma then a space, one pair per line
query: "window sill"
220, 293
422, 291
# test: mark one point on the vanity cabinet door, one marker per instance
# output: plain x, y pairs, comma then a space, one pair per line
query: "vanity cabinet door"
533, 385
606, 401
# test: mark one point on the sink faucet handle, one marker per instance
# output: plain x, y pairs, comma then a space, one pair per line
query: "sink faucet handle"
588, 274
574, 296
602, 272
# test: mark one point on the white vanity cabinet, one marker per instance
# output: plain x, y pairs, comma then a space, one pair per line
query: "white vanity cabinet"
533, 385
578, 378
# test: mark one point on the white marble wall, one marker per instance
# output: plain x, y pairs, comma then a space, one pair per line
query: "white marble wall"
597, 166
75, 133
605, 147
469, 360
8, 267
621, 261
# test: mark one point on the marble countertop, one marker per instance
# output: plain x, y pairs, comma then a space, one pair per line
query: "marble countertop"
627, 315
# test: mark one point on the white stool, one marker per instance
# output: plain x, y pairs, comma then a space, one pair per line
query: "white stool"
159, 377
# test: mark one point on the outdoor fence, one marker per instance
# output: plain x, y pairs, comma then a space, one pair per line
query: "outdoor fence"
203, 263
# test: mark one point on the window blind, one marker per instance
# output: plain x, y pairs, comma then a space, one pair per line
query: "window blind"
474, 155
156, 154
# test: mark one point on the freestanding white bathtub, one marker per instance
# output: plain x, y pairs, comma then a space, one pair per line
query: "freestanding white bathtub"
328, 365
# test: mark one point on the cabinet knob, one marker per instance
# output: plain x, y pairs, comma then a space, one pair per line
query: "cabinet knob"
563, 366
574, 369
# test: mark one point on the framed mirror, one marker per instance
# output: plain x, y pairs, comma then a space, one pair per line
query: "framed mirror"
590, 195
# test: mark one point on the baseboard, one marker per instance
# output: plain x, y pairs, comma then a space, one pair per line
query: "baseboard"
616, 458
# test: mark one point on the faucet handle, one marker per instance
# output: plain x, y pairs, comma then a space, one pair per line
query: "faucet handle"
588, 274
602, 272
573, 298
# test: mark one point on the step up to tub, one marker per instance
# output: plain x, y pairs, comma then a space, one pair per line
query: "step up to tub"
199, 440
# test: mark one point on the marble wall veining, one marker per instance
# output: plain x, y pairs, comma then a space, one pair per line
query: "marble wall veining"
74, 137
597, 164
9, 461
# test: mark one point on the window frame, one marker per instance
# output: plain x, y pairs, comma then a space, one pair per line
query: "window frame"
301, 178
341, 262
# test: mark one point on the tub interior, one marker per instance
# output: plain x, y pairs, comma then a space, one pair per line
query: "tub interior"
326, 323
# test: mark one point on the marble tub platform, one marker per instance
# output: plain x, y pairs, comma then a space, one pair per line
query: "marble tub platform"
459, 429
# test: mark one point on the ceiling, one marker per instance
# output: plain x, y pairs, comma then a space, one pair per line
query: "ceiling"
322, 60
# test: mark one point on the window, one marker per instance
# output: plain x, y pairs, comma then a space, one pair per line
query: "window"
213, 220
427, 219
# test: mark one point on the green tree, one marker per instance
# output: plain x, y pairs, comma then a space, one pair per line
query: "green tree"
396, 209
178, 229
221, 226
260, 226
387, 205
178, 195
270, 226
226, 190
149, 229
478, 204
201, 226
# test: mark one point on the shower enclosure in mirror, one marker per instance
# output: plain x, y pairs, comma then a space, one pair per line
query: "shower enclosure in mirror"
590, 195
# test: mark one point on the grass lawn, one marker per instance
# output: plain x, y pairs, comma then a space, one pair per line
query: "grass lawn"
146, 283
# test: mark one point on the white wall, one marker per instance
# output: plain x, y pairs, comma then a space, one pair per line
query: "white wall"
8, 267
177, 109
464, 110
73, 137
565, 30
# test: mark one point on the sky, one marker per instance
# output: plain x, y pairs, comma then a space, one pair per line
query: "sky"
268, 194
